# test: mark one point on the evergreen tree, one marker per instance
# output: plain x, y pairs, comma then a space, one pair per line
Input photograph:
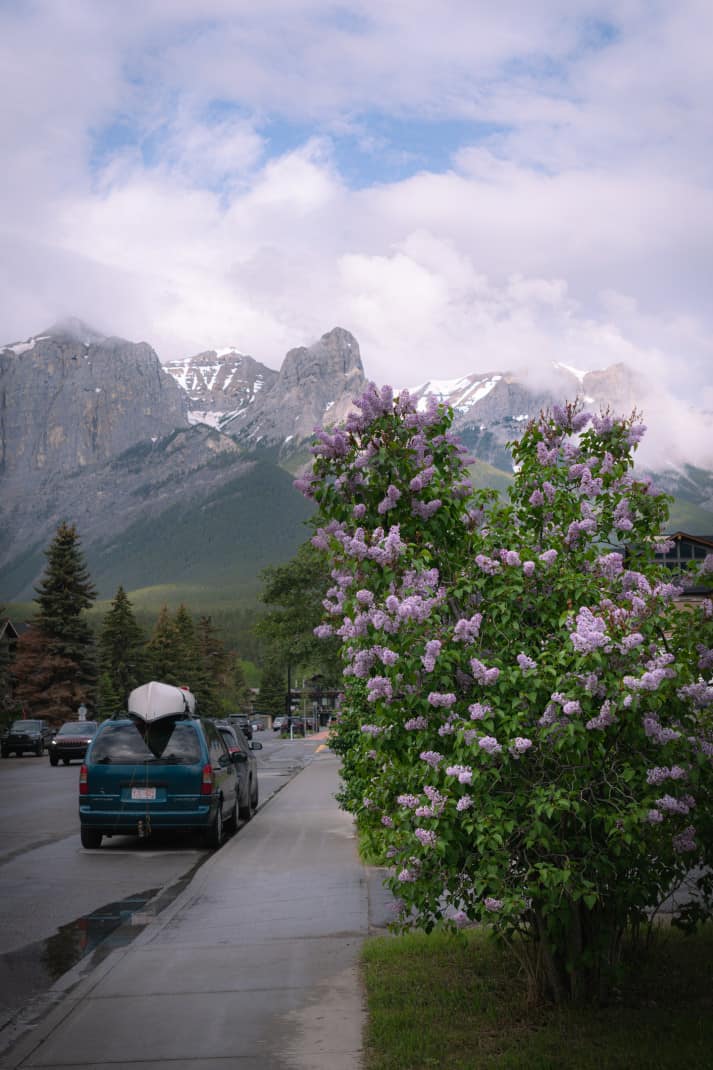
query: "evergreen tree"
121, 654
187, 658
110, 701
213, 663
239, 691
161, 650
55, 666
273, 688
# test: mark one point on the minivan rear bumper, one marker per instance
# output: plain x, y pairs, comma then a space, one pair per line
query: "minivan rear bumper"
132, 818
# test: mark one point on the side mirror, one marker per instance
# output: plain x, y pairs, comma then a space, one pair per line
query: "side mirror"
255, 744
239, 756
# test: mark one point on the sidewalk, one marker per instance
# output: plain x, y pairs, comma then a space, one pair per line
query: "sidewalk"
253, 966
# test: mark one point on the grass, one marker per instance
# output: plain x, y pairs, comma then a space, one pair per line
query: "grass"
458, 1002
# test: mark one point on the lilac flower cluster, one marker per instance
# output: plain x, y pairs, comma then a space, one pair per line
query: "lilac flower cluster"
436, 698
519, 745
426, 837
432, 757
464, 803
463, 772
410, 801
492, 905
425, 510
433, 649
416, 724
483, 675
390, 501
479, 711
684, 842
676, 806
526, 663
700, 694
466, 631
657, 732
379, 687
604, 718
659, 773
590, 633
490, 745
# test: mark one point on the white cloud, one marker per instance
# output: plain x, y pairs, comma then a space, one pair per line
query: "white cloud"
183, 173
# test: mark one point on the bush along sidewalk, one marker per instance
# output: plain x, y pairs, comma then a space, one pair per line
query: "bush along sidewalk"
526, 729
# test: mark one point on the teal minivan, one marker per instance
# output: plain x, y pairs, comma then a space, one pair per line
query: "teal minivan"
173, 773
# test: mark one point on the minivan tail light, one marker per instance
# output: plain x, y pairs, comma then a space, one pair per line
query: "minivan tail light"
84, 781
207, 780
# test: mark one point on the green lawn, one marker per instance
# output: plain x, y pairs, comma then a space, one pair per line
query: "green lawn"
460, 1003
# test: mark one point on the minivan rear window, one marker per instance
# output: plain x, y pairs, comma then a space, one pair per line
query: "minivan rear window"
165, 741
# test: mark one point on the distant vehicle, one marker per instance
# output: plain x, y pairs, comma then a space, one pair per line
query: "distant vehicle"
71, 741
31, 734
242, 721
278, 723
241, 752
171, 773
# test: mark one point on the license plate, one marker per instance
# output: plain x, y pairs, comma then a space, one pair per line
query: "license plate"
143, 793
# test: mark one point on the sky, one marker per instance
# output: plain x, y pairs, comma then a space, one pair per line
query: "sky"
465, 185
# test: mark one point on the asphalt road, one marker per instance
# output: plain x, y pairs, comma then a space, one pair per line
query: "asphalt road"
58, 901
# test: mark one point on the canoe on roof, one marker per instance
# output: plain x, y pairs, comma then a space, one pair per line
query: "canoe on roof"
155, 700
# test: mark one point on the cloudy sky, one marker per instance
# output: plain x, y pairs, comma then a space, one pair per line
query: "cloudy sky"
465, 185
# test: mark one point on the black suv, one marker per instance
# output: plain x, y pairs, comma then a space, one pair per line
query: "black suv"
30, 734
242, 721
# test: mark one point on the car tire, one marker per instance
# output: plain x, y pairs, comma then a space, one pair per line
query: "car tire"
256, 796
232, 822
246, 812
214, 832
53, 759
66, 761
91, 838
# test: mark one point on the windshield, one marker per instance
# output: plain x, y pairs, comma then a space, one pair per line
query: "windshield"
167, 740
22, 726
80, 728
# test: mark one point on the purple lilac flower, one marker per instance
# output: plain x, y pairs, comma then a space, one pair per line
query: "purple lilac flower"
604, 718
493, 905
466, 630
510, 558
438, 801
549, 556
528, 568
387, 822
483, 675
487, 564
365, 598
545, 456
425, 510
464, 803
436, 698
389, 502
700, 694
406, 876
590, 633
519, 745
379, 687
630, 642
463, 772
411, 801
479, 711
416, 724
526, 663
372, 730
571, 708
433, 649
676, 806
654, 730
659, 773
490, 745
425, 836
610, 565
359, 511
705, 657
536, 498
432, 757
654, 817
685, 841
323, 631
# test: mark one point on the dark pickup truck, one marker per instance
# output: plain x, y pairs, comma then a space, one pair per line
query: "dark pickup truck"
31, 734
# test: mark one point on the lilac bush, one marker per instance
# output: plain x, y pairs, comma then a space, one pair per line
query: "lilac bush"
526, 730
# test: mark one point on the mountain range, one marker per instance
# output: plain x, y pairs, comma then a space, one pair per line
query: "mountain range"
179, 475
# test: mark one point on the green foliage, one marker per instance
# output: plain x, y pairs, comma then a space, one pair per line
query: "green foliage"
273, 688
122, 661
534, 741
296, 591
55, 669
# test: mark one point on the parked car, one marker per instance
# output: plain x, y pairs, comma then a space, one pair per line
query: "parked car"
71, 741
30, 734
279, 722
242, 721
241, 750
172, 773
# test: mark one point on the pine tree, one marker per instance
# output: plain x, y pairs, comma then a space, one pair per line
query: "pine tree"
110, 701
188, 662
213, 662
161, 650
121, 646
273, 688
55, 667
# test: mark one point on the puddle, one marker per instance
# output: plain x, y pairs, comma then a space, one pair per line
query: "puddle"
29, 971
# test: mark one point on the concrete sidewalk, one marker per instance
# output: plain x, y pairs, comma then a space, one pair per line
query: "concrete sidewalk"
253, 966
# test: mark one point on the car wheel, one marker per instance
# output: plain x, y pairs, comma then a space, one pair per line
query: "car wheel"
232, 822
53, 759
214, 834
246, 811
66, 761
91, 838
256, 796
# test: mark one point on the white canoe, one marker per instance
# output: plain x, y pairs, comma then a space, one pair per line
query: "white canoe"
155, 700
